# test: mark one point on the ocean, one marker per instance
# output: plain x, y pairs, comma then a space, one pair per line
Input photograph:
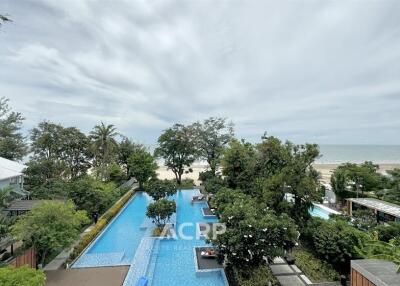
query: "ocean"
380, 154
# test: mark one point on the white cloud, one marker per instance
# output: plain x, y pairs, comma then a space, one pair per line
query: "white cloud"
306, 71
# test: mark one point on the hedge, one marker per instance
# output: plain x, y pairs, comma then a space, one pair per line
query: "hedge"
101, 223
314, 268
260, 276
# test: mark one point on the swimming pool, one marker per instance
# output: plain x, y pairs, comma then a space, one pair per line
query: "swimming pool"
166, 262
175, 262
321, 211
117, 244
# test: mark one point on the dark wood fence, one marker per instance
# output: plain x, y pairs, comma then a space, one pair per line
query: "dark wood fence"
26, 258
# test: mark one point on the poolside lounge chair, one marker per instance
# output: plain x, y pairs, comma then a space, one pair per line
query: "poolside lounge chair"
208, 254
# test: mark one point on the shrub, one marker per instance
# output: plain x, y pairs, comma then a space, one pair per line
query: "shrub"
388, 232
314, 268
101, 223
334, 241
23, 276
187, 184
260, 276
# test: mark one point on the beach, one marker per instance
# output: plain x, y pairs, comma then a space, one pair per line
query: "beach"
325, 170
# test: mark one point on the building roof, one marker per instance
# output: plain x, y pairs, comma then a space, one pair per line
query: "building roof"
23, 205
379, 272
379, 205
10, 169
97, 276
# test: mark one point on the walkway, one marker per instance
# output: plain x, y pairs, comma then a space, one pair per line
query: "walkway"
288, 275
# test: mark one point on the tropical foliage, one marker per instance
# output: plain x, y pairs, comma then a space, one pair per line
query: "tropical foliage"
49, 226
23, 276
105, 148
161, 211
375, 249
143, 166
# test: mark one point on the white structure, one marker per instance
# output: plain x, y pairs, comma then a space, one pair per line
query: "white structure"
11, 175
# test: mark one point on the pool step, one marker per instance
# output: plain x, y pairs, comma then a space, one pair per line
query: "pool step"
100, 260
140, 261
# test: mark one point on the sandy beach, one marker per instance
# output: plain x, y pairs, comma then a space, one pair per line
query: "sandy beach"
325, 170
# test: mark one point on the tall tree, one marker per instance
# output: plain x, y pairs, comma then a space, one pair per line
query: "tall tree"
125, 149
105, 147
59, 154
302, 180
12, 145
177, 148
212, 135
76, 153
238, 164
142, 166
49, 226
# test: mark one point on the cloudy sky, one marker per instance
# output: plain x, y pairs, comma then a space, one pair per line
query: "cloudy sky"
320, 71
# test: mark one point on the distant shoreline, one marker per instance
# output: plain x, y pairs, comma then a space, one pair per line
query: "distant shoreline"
326, 170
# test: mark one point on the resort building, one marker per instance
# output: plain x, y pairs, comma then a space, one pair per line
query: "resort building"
384, 211
11, 176
373, 272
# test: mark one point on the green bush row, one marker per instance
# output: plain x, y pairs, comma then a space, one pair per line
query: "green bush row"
314, 268
260, 276
101, 223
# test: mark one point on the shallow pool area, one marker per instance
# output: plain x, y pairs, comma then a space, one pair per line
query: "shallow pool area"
164, 262
117, 244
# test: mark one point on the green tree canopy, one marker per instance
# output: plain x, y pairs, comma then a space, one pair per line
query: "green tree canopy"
177, 147
211, 137
238, 164
158, 189
161, 211
91, 195
49, 226
356, 178
59, 155
12, 144
252, 232
125, 149
142, 166
23, 276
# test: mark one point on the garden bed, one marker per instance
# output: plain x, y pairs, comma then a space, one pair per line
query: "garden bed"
315, 269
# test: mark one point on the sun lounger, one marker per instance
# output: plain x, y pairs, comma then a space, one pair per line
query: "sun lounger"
208, 254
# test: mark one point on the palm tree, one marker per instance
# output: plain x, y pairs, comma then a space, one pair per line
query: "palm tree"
377, 249
104, 147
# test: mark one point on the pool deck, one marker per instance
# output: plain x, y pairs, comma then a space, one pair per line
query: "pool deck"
99, 276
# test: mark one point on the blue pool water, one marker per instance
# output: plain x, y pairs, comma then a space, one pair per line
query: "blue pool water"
319, 212
171, 263
175, 260
118, 243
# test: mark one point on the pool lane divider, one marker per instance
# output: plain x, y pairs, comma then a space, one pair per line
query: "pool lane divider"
102, 232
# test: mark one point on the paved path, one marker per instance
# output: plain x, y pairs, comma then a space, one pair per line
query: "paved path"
288, 275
